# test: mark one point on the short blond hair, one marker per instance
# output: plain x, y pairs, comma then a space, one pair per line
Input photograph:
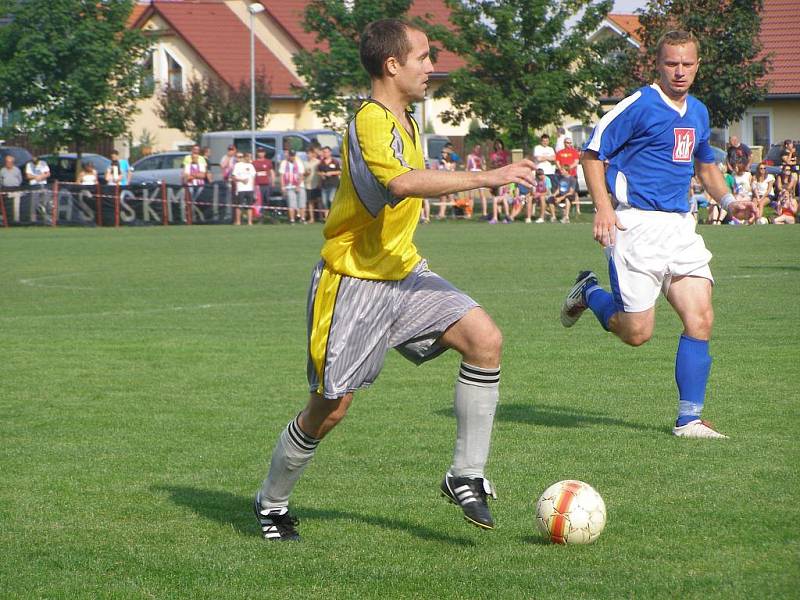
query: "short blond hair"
676, 37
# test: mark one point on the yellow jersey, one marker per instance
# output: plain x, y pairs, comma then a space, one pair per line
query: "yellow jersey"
369, 233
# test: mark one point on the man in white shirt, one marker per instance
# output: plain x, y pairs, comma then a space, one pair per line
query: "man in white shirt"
244, 176
37, 172
545, 157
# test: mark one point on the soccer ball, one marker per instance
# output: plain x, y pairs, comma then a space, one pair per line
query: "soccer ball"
762, 221
571, 512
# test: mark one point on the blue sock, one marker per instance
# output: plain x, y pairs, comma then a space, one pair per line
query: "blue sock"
692, 366
601, 303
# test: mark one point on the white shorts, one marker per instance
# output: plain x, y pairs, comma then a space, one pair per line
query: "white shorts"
654, 247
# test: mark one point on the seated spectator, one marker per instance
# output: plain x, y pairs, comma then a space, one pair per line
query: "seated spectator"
565, 193
786, 183
501, 211
742, 183
716, 214
516, 200
763, 191
787, 211
698, 197
87, 175
541, 191
474, 164
567, 159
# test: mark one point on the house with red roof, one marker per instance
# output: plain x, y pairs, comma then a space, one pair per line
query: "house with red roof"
211, 38
778, 116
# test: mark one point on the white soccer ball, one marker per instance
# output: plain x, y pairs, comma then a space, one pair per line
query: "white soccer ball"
762, 221
571, 512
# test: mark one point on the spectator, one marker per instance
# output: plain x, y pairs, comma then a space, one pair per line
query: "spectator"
565, 194
228, 162
118, 170
763, 191
499, 157
789, 154
36, 172
244, 176
194, 172
10, 175
742, 183
291, 174
196, 152
539, 194
265, 175
445, 163
517, 198
545, 157
475, 163
88, 174
311, 181
451, 150
785, 183
205, 153
329, 171
716, 214
567, 160
787, 211
698, 197
738, 153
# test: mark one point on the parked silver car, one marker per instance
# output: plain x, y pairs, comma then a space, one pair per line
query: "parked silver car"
166, 167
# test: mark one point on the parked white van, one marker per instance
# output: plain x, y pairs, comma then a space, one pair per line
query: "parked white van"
275, 142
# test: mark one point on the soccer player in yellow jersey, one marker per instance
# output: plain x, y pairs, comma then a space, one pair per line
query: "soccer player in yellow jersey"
372, 291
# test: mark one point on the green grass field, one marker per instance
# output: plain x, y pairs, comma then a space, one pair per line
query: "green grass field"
145, 374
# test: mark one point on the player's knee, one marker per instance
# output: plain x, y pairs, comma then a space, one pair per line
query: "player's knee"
637, 336
489, 344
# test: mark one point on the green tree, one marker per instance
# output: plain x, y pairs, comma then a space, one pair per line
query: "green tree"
731, 68
210, 105
529, 63
71, 69
335, 80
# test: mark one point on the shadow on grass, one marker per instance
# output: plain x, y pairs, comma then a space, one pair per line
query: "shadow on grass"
236, 512
550, 415
536, 540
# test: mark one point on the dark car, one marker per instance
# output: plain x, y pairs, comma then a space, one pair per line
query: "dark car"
21, 156
62, 166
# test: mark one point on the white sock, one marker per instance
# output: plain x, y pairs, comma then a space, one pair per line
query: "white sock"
477, 393
292, 453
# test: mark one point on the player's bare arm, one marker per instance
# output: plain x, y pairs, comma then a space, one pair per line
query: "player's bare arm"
712, 179
429, 183
605, 219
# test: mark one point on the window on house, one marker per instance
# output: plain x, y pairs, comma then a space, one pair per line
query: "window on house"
579, 134
761, 131
174, 73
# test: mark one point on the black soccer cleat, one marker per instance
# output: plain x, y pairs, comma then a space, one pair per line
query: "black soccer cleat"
470, 494
277, 524
574, 305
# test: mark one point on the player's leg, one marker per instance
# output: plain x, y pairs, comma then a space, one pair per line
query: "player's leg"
691, 299
479, 341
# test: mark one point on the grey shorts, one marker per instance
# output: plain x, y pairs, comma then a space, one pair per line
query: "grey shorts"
353, 323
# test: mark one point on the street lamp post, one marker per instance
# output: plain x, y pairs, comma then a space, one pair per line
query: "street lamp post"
254, 9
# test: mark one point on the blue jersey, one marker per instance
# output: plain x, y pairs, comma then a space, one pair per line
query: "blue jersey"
651, 146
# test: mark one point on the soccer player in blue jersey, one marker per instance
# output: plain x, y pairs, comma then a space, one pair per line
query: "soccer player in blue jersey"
653, 140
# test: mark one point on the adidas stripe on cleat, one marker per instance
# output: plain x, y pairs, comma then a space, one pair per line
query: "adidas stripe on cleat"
470, 494
574, 304
277, 524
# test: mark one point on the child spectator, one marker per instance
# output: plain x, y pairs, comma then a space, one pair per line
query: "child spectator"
87, 175
539, 194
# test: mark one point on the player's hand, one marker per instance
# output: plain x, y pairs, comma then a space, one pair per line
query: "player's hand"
606, 225
518, 172
742, 209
